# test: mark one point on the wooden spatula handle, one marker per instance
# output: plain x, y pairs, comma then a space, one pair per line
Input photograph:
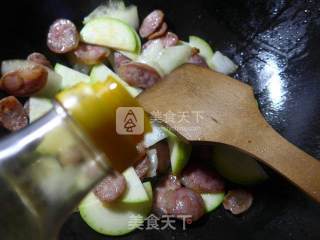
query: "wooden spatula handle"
272, 149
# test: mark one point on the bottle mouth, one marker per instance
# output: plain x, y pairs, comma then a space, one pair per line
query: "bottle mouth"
110, 117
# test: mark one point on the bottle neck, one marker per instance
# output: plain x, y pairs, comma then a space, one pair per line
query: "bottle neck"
47, 168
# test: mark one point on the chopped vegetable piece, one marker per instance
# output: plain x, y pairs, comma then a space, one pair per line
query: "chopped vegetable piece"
173, 57
69, 76
135, 192
165, 60
101, 72
118, 10
222, 63
205, 50
179, 152
153, 159
110, 32
133, 55
212, 200
155, 136
52, 143
115, 219
38, 107
237, 167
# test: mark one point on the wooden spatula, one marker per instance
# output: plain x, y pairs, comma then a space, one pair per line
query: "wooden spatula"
202, 105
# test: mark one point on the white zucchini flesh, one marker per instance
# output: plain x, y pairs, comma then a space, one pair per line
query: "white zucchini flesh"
70, 77
110, 32
156, 135
179, 152
38, 107
222, 63
135, 192
205, 50
165, 60
212, 200
116, 10
101, 72
115, 219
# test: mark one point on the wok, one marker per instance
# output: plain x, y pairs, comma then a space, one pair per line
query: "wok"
276, 44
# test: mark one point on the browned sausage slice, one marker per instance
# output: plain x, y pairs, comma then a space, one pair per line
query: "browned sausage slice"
111, 188
151, 23
181, 203
170, 39
168, 183
143, 167
40, 59
163, 154
201, 179
63, 36
139, 74
184, 202
238, 201
159, 33
119, 60
196, 59
90, 54
12, 114
24, 82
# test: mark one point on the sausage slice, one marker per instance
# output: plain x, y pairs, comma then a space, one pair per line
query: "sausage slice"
159, 33
12, 114
238, 201
196, 59
143, 167
151, 23
201, 179
163, 154
63, 36
111, 188
24, 82
170, 39
40, 59
90, 54
139, 74
119, 60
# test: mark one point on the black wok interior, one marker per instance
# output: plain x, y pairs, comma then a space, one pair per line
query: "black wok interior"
275, 42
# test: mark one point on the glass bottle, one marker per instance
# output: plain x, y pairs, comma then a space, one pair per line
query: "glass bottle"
48, 167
